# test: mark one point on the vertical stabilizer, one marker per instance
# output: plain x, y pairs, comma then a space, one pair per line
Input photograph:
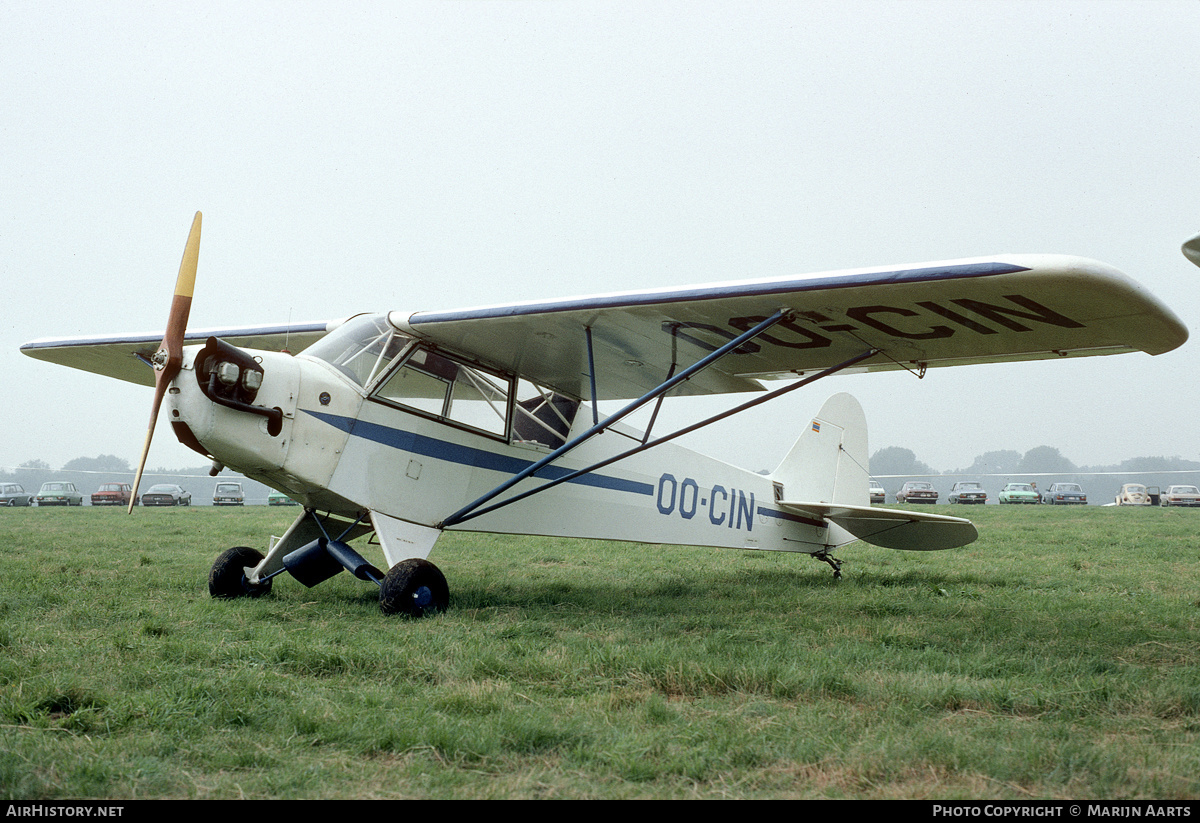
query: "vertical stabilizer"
828, 463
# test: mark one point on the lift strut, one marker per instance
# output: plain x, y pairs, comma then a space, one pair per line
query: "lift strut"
668, 437
599, 427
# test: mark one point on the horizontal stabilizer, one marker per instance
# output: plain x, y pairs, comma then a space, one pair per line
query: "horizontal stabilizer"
892, 528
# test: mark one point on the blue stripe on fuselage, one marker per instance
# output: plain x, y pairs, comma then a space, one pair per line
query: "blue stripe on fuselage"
466, 455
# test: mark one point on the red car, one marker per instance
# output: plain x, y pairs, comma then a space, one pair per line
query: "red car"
917, 491
112, 494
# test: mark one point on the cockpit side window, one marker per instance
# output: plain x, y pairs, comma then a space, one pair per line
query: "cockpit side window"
450, 389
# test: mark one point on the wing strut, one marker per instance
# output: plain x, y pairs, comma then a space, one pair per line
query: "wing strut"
598, 427
592, 376
665, 438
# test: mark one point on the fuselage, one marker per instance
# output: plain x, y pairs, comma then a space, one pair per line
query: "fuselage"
399, 429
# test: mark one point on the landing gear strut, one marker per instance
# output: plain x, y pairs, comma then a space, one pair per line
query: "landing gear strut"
834, 563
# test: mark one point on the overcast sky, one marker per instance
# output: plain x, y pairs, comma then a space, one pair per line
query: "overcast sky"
368, 156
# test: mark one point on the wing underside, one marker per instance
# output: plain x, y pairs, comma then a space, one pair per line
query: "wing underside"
984, 310
126, 357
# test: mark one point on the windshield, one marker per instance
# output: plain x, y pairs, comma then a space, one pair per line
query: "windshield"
1069, 487
1020, 487
1184, 490
968, 485
229, 488
360, 348
920, 486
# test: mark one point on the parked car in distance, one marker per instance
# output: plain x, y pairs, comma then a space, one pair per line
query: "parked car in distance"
1133, 494
967, 491
917, 491
1180, 496
112, 494
1019, 493
280, 499
166, 494
228, 493
58, 493
14, 494
878, 495
1061, 494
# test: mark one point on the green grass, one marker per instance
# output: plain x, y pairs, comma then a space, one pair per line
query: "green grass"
1057, 657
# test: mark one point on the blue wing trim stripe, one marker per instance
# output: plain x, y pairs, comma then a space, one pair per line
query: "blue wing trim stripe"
757, 288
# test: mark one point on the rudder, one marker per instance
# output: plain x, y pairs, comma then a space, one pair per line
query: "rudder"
828, 463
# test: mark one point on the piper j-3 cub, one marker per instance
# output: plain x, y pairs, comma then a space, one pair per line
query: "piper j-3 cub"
407, 424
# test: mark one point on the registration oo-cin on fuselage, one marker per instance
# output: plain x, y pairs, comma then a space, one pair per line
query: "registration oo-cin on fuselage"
408, 424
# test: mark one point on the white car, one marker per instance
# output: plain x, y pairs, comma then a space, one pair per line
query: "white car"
1133, 494
1180, 496
878, 495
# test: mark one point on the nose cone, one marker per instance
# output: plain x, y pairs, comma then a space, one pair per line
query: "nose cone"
241, 435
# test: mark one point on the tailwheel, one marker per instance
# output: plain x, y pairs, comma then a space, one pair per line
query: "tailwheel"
834, 563
414, 587
227, 579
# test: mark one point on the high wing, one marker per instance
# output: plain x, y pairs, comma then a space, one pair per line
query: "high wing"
978, 310
126, 357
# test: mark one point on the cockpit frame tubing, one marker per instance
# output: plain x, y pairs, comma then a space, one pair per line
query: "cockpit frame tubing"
668, 437
597, 428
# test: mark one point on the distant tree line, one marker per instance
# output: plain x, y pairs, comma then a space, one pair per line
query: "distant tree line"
1043, 465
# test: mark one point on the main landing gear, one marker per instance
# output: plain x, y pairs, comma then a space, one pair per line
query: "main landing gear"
413, 587
227, 578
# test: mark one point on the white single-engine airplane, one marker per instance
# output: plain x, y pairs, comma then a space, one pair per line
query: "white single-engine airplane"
411, 423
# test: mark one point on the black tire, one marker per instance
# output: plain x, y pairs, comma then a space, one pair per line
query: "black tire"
227, 578
414, 587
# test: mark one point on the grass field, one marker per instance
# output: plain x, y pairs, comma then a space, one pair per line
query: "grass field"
1057, 657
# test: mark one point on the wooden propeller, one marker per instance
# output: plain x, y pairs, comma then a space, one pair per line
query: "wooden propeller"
169, 357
